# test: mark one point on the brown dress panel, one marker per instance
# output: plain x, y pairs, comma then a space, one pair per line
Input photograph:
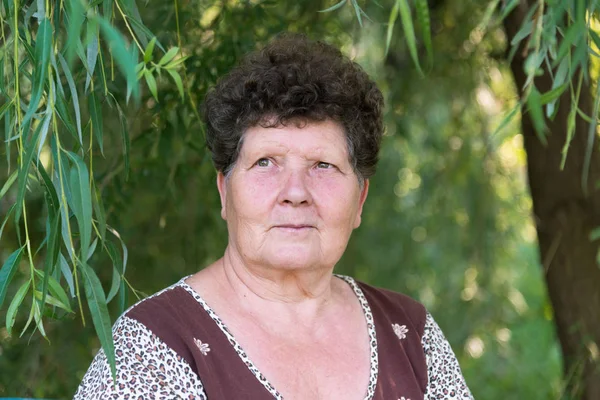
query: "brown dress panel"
402, 364
177, 318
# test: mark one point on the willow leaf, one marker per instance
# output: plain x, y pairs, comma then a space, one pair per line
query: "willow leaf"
177, 79
149, 50
115, 285
37, 315
507, 118
124, 58
333, 7
357, 11
592, 132
66, 272
9, 124
11, 313
74, 22
6, 217
2, 82
44, 129
59, 293
74, 96
91, 250
125, 138
82, 201
553, 94
507, 8
390, 27
168, 56
43, 48
29, 319
123, 247
9, 182
422, 12
24, 170
143, 32
99, 211
123, 297
534, 106
5, 106
8, 271
151, 84
53, 249
409, 32
92, 58
99, 312
572, 36
95, 109
65, 116
133, 14
48, 299
117, 270
49, 191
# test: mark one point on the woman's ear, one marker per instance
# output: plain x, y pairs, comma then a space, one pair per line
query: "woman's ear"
361, 202
222, 187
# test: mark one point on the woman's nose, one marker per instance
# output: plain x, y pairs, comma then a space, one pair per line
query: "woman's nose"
295, 190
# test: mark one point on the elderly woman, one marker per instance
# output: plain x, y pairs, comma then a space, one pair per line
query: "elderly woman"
294, 133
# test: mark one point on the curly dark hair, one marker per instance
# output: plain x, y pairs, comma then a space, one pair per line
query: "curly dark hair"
295, 79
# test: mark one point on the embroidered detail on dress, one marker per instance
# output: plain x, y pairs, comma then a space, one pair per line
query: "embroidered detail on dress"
400, 331
402, 398
203, 347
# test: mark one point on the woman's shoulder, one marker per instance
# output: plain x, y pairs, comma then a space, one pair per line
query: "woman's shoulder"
151, 360
167, 315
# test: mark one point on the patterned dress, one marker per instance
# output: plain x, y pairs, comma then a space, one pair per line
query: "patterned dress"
172, 345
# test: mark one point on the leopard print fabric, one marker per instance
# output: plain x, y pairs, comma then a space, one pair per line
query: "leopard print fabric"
146, 369
445, 380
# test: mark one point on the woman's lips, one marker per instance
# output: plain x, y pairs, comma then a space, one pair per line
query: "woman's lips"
294, 227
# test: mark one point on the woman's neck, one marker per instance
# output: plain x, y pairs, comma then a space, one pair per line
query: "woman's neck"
290, 294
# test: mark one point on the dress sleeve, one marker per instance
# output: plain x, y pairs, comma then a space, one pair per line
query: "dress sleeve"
445, 380
146, 369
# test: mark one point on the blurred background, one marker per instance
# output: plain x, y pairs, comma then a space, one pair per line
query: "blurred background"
448, 220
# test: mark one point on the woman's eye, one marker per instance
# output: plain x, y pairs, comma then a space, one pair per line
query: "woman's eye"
324, 165
263, 162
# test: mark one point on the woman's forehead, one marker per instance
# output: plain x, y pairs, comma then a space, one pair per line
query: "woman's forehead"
312, 137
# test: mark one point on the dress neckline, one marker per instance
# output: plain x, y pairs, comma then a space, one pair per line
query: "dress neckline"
374, 361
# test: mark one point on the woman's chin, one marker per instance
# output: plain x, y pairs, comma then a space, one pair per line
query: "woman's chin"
294, 258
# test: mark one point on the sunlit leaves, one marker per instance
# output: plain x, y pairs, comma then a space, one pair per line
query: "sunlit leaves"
169, 55
168, 63
149, 50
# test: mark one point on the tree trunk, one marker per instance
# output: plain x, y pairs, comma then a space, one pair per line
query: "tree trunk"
565, 213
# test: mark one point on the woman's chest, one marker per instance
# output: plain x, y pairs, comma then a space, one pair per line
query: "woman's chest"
338, 367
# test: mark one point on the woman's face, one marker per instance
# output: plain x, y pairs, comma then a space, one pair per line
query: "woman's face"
292, 199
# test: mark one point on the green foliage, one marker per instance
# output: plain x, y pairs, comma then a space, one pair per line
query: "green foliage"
100, 182
51, 57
